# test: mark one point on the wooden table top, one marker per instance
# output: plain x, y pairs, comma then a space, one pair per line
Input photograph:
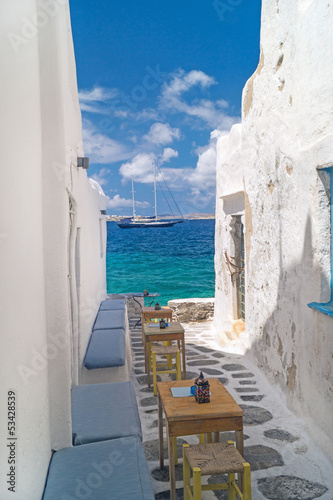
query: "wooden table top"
152, 309
173, 327
221, 403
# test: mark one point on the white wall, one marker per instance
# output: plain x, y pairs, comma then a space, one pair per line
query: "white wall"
229, 201
287, 134
40, 126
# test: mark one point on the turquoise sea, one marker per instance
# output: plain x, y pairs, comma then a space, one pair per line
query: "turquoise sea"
177, 262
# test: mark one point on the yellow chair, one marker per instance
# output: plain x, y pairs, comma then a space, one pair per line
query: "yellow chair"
212, 459
165, 351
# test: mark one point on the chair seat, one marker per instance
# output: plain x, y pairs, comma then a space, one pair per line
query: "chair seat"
215, 458
168, 349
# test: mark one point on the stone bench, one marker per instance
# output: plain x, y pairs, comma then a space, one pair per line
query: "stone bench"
108, 469
108, 356
106, 349
104, 411
111, 305
110, 319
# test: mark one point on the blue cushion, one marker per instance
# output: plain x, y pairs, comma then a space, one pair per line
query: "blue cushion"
107, 320
115, 469
111, 305
104, 411
106, 349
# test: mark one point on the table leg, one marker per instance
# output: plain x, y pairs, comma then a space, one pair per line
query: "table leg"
184, 359
145, 353
144, 347
216, 437
160, 430
172, 472
240, 442
148, 351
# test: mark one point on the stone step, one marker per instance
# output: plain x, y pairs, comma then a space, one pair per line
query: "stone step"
238, 326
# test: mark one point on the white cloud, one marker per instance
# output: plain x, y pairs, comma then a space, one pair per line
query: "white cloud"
118, 202
161, 134
146, 115
100, 94
91, 100
200, 181
206, 111
182, 82
100, 177
141, 168
101, 148
203, 177
177, 179
167, 154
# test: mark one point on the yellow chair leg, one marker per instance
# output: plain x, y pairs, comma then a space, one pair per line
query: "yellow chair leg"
154, 373
196, 483
247, 482
186, 474
169, 356
201, 438
178, 367
231, 489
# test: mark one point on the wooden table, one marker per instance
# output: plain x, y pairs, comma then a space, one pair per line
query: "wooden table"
174, 331
184, 416
147, 296
150, 313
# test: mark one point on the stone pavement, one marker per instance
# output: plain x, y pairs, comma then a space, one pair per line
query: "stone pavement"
285, 462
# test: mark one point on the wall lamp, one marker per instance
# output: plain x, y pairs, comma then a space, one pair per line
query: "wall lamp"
83, 162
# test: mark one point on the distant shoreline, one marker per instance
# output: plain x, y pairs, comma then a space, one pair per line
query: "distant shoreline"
116, 218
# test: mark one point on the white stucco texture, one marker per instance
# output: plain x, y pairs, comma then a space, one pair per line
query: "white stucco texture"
286, 137
52, 236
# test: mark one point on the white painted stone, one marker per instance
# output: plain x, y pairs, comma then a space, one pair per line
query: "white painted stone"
185, 310
52, 279
286, 135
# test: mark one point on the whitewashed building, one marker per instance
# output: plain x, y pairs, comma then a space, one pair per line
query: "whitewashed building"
274, 212
52, 238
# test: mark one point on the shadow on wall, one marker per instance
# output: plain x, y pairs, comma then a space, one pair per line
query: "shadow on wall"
295, 349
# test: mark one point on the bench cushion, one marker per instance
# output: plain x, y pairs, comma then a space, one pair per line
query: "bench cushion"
106, 349
107, 320
100, 471
104, 411
111, 305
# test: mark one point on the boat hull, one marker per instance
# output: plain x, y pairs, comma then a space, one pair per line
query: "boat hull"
141, 225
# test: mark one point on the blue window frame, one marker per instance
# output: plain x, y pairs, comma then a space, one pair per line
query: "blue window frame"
328, 307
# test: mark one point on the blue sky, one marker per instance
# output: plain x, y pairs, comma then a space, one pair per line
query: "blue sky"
160, 81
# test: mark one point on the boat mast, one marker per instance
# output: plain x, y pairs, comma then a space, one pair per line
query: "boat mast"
155, 190
134, 215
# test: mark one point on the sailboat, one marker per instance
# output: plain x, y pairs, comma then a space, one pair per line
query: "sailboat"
143, 222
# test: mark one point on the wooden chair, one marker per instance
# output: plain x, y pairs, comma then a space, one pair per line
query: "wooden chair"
165, 350
212, 459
